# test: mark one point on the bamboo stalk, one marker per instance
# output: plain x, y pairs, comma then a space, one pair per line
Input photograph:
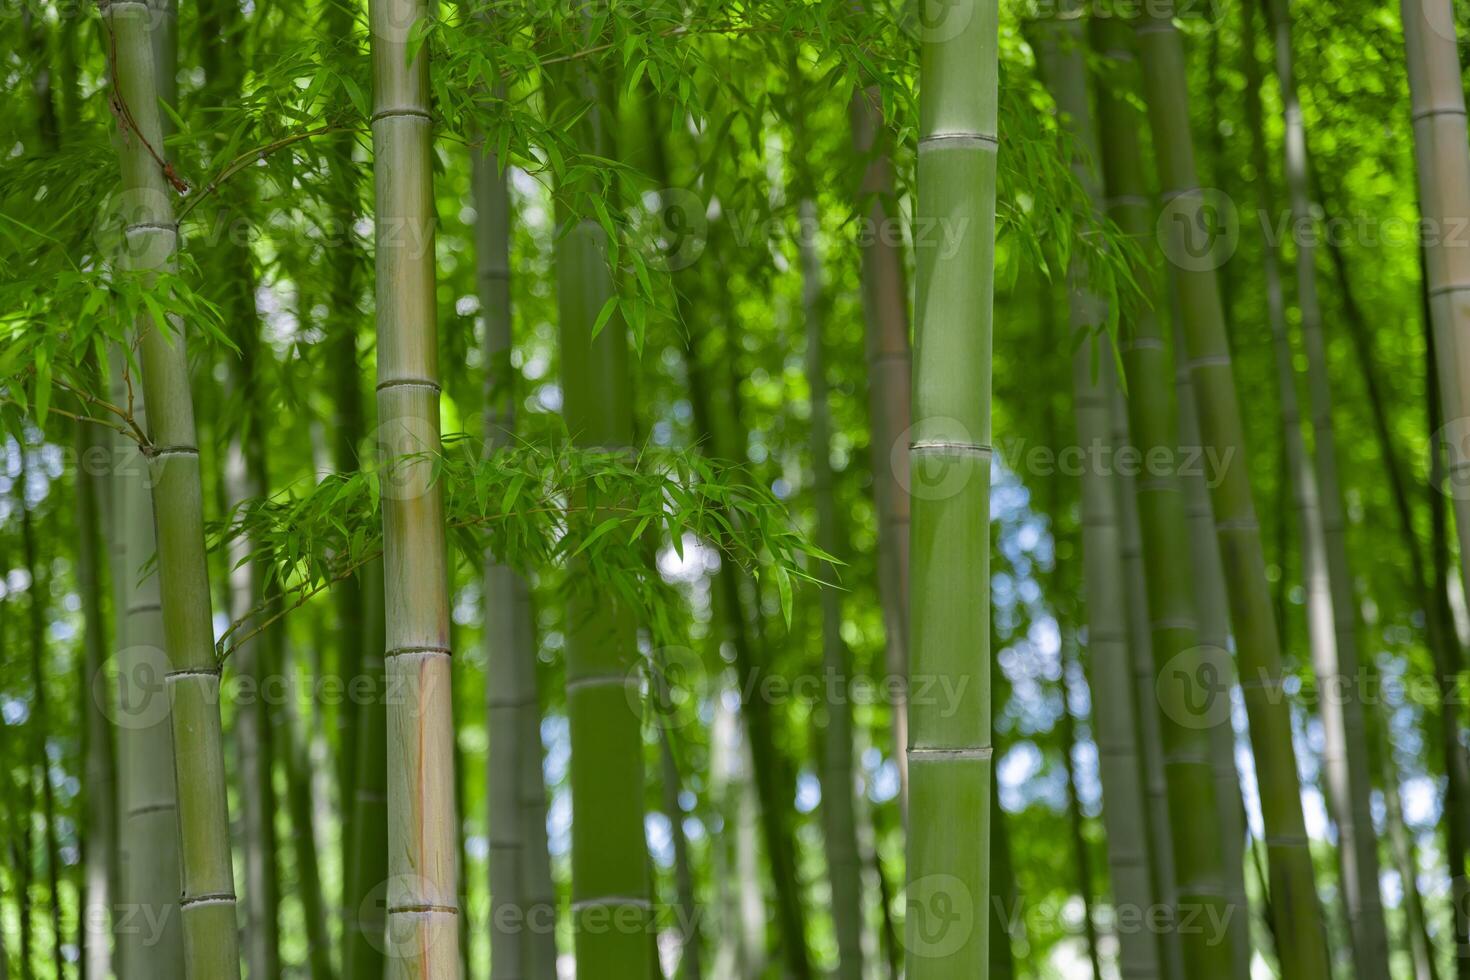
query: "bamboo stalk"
507, 663
100, 821
39, 719
308, 884
886, 330
367, 827
1214, 633
422, 900
1147, 732
1077, 824
207, 903
950, 752
1457, 832
717, 424
1346, 758
147, 801
1321, 602
1416, 939
1115, 703
1443, 165
1294, 897
245, 478
691, 956
539, 947
610, 885
844, 868
1197, 831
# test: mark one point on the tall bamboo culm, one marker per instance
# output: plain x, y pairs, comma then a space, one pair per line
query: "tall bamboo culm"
1443, 165
508, 665
100, 827
1146, 725
844, 867
1196, 835
610, 878
1346, 760
1443, 162
207, 901
146, 798
886, 332
422, 897
950, 751
1293, 889
1060, 56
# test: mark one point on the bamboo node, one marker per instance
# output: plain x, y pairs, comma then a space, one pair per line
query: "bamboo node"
1448, 110
408, 651
984, 139
406, 111
982, 752
408, 383
183, 672
959, 448
209, 898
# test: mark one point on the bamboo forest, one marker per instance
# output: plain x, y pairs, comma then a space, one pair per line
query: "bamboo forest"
734, 489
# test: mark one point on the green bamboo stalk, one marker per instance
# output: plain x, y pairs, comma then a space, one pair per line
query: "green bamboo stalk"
886, 331
717, 424
1201, 872
1114, 701
1196, 819
1006, 901
349, 427
611, 904
1443, 165
1457, 832
293, 750
422, 901
1416, 934
950, 753
100, 824
1077, 823
245, 478
253, 729
367, 825
39, 720
691, 962
207, 903
1147, 731
507, 664
1349, 782
147, 799
1321, 602
539, 946
1214, 634
1294, 897
1438, 631
844, 866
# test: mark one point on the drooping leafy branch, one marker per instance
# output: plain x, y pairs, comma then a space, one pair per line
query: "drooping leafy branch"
535, 508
